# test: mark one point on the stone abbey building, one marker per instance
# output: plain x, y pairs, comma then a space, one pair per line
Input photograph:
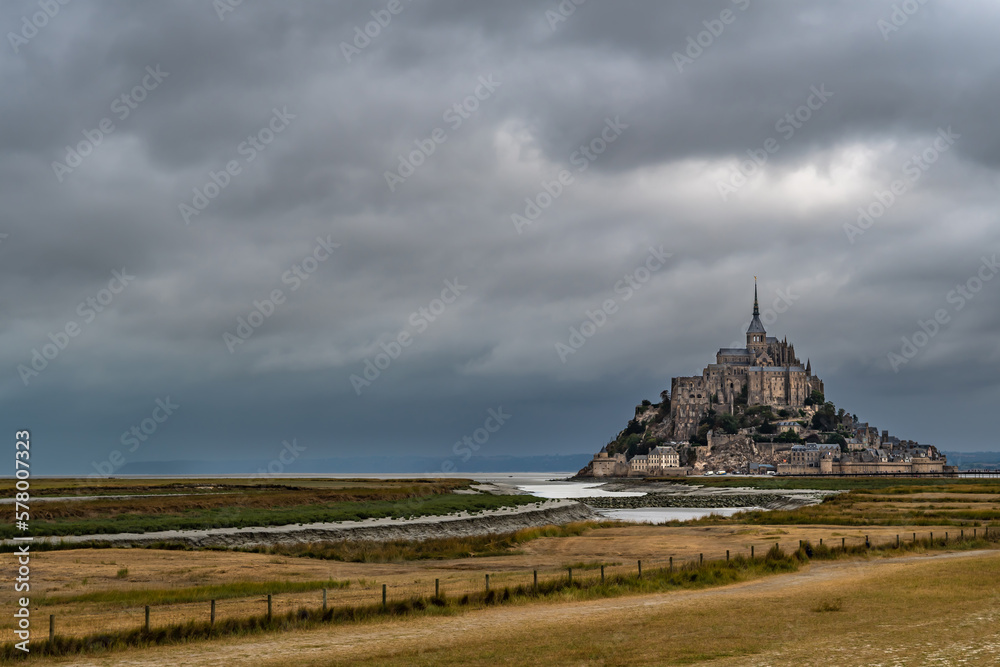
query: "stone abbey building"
765, 372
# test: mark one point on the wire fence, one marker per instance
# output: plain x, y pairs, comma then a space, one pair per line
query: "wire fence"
84, 620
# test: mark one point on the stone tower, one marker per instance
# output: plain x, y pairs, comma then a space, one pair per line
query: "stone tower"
756, 335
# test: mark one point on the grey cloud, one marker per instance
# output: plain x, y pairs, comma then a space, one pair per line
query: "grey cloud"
657, 184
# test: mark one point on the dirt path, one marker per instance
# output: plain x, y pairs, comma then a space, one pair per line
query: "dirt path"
368, 640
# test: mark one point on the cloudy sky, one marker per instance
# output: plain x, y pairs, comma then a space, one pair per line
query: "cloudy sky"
231, 209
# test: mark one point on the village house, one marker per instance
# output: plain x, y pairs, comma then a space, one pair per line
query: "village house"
639, 464
794, 427
663, 457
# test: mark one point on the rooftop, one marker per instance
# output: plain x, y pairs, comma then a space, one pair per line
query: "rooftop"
777, 369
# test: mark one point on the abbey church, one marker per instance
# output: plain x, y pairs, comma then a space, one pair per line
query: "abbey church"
765, 372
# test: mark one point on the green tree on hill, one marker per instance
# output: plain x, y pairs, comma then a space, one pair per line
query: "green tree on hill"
837, 439
788, 436
825, 418
728, 423
815, 398
630, 446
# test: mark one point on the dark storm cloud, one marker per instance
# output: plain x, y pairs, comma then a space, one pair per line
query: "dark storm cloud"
350, 111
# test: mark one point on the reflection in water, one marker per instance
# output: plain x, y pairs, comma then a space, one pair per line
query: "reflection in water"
663, 514
558, 489
573, 490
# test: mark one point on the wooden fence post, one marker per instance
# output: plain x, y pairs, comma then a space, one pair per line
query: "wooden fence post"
640, 569
602, 574
671, 563
536, 579
212, 619
147, 618
52, 627
843, 543
384, 592
727, 555
751, 552
269, 606
487, 582
324, 599
570, 570
701, 559
437, 588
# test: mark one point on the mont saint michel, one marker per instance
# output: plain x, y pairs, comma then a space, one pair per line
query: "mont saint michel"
758, 408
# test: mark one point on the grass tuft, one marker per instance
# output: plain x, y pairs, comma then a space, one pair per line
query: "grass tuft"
829, 605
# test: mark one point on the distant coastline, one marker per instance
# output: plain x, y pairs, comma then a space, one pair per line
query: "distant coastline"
423, 466
967, 460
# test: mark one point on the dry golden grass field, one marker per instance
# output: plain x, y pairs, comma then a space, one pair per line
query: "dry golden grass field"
66, 579
941, 609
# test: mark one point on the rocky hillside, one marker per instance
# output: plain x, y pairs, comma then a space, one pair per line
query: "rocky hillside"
749, 434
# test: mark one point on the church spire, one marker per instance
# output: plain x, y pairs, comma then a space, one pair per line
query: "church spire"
756, 336
756, 308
